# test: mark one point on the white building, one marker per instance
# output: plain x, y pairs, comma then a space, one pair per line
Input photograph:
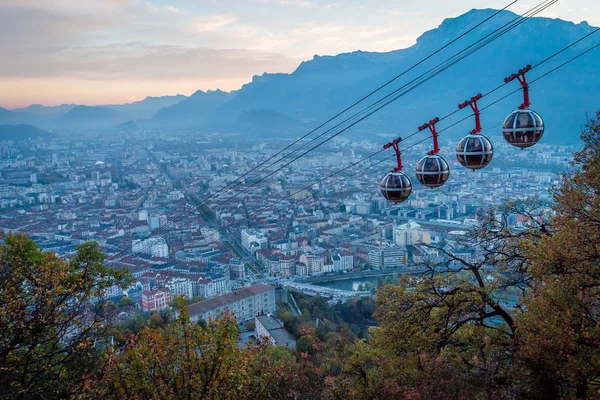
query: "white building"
237, 268
219, 284
343, 262
387, 257
143, 215
113, 291
287, 266
156, 247
271, 328
411, 233
180, 287
314, 263
253, 240
154, 222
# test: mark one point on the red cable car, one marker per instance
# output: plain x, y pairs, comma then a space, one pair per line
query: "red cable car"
474, 151
524, 127
396, 186
432, 170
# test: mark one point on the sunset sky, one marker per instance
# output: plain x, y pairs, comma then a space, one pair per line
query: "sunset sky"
117, 51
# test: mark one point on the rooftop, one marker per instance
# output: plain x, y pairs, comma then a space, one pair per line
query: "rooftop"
210, 304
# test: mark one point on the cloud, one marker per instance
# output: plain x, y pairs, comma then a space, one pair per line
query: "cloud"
173, 10
212, 23
295, 3
146, 60
152, 8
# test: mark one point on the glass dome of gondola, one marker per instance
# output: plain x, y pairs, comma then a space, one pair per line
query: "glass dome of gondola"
432, 171
396, 187
474, 151
523, 128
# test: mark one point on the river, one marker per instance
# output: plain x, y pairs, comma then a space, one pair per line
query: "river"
353, 283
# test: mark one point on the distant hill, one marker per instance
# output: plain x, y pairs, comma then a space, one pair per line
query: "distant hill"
47, 111
15, 117
196, 110
129, 126
21, 132
83, 117
148, 107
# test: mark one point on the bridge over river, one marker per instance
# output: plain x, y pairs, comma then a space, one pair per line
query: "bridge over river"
357, 275
321, 290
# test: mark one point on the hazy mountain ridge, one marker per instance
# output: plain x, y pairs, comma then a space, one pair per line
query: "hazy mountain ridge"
74, 115
148, 107
21, 132
196, 110
325, 85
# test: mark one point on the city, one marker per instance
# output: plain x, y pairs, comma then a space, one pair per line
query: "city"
148, 198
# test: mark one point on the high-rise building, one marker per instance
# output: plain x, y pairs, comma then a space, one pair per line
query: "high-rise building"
387, 257
343, 261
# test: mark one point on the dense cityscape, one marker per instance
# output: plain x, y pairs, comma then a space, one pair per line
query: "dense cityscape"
152, 201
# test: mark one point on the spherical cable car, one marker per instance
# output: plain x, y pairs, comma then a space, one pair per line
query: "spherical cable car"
396, 186
474, 151
432, 170
524, 127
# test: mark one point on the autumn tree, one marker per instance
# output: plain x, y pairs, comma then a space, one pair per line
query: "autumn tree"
559, 336
49, 319
183, 360
512, 311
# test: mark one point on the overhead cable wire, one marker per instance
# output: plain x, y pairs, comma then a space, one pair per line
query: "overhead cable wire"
424, 78
450, 126
291, 196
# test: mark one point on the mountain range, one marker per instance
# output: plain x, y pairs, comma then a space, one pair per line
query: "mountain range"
290, 104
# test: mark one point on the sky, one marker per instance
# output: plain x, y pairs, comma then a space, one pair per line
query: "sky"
117, 51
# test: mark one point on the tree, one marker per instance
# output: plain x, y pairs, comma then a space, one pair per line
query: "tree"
125, 302
559, 336
184, 360
520, 318
49, 326
156, 320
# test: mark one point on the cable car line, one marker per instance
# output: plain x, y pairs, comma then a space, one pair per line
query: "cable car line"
387, 83
459, 57
487, 39
448, 127
440, 68
427, 138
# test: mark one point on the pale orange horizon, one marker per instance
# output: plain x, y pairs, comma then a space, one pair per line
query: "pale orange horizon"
18, 93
